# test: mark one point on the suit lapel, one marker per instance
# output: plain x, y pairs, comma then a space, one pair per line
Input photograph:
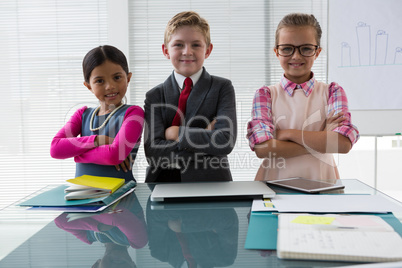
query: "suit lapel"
198, 94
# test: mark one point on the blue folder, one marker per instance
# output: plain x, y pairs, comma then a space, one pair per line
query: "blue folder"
55, 198
262, 231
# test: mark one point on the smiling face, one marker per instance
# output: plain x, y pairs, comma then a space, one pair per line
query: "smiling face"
187, 50
297, 68
108, 82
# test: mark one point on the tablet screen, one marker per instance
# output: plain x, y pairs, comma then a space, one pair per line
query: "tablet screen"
306, 185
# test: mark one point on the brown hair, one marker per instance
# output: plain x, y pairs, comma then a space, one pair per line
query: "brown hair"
187, 18
299, 20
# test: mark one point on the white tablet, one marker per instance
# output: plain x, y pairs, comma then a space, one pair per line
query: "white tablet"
306, 185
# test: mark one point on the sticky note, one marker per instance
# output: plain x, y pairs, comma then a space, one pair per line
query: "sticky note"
267, 203
313, 220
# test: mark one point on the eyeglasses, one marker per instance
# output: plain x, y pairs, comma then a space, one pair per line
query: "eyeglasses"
304, 50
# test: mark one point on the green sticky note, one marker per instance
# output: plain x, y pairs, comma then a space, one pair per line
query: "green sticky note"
313, 220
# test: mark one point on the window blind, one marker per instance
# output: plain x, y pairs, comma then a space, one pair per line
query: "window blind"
242, 33
42, 46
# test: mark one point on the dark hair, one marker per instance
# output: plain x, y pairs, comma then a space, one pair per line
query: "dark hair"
99, 55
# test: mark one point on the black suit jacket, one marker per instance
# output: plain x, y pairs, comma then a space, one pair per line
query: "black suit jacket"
200, 153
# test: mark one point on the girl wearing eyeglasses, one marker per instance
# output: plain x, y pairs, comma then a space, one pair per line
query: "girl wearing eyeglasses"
300, 122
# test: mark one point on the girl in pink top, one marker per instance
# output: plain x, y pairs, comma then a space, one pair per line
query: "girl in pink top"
298, 123
103, 140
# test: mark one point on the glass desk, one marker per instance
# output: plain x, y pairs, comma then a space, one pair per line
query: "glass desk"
143, 233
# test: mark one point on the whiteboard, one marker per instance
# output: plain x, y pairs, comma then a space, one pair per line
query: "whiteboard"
365, 58
378, 122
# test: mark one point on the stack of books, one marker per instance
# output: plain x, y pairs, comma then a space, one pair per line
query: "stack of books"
82, 194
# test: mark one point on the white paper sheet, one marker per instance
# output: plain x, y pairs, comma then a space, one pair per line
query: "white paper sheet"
335, 203
265, 204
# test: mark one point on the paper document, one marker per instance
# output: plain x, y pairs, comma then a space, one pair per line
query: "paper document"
263, 204
329, 204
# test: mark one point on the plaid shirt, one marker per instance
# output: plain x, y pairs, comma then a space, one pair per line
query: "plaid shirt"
261, 127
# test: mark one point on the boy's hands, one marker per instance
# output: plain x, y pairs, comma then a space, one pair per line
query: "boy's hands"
172, 133
211, 125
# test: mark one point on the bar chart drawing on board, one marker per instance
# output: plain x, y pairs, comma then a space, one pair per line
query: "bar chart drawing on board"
363, 43
365, 53
346, 57
381, 46
369, 50
398, 55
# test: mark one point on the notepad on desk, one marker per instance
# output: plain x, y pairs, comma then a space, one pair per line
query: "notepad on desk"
355, 238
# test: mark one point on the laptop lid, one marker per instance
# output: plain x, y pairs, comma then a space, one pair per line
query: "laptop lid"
211, 190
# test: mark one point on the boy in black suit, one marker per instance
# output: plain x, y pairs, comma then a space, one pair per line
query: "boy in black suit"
189, 139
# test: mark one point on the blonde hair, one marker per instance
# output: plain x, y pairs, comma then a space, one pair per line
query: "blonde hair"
299, 20
187, 18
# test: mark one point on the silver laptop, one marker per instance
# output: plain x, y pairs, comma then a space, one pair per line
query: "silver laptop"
211, 190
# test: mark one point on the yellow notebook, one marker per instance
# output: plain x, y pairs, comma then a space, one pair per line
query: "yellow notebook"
87, 186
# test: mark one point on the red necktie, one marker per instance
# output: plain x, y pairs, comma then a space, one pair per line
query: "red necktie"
182, 102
